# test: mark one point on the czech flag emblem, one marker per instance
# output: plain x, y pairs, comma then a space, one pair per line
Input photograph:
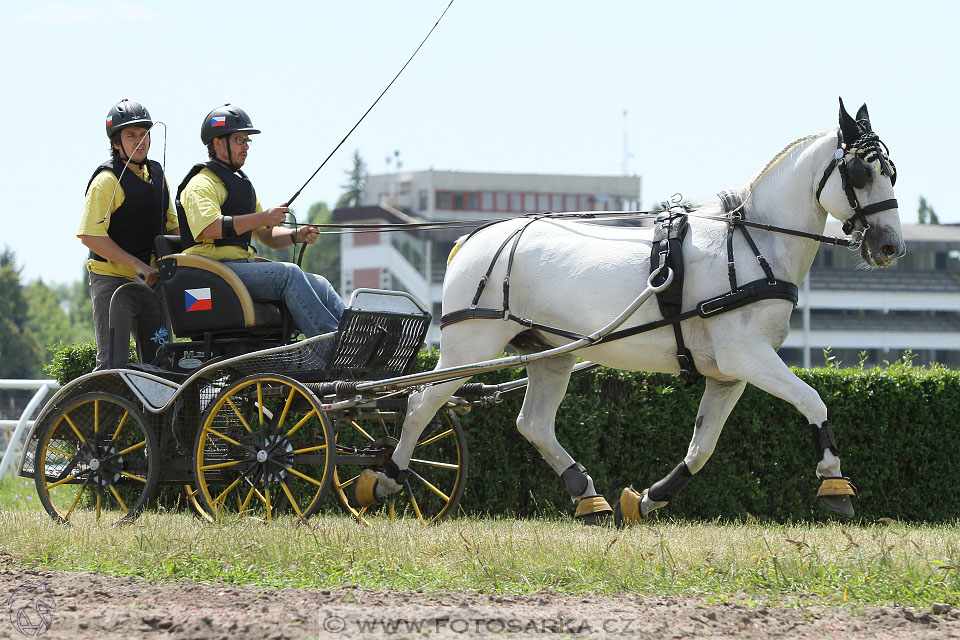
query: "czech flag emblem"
219, 121
198, 299
109, 121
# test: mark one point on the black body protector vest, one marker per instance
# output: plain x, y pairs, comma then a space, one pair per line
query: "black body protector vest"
143, 214
241, 200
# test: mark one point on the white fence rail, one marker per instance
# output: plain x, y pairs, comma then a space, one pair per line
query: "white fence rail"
17, 427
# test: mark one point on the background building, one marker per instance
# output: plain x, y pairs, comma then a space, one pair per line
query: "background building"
415, 261
912, 305
875, 314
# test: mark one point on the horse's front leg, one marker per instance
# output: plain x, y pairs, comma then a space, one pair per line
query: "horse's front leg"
762, 367
717, 402
372, 486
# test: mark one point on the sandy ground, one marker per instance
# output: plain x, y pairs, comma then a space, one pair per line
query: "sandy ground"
89, 605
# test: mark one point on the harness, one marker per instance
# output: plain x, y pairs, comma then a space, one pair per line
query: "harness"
668, 238
671, 228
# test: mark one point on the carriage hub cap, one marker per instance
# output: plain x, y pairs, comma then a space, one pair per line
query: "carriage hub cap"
261, 456
94, 464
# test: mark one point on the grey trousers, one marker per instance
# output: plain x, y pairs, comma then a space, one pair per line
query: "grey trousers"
136, 312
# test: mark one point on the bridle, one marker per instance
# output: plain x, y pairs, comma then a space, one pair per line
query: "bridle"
854, 174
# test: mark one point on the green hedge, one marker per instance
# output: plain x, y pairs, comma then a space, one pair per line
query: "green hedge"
894, 426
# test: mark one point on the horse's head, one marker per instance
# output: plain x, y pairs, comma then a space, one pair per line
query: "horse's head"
857, 188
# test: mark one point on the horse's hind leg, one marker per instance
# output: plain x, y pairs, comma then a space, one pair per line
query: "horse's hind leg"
716, 404
537, 423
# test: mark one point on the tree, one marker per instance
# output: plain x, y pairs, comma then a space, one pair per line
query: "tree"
56, 313
20, 352
356, 183
926, 214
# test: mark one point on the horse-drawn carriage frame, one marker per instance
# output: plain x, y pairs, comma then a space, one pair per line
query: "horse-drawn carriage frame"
274, 429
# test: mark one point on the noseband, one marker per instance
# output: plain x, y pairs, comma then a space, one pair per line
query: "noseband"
854, 174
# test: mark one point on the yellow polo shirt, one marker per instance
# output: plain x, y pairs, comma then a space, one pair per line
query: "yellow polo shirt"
105, 196
202, 199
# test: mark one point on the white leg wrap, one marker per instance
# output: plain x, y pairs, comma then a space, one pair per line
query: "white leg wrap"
829, 466
385, 485
647, 505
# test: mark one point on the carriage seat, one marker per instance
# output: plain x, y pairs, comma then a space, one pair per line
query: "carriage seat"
203, 295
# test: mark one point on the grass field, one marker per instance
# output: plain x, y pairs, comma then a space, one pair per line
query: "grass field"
879, 563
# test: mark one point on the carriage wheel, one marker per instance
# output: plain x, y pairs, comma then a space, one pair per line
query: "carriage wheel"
366, 438
97, 459
262, 449
193, 499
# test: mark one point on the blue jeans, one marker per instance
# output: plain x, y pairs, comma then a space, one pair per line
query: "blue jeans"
314, 304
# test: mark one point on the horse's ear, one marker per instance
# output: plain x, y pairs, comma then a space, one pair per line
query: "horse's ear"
848, 126
863, 118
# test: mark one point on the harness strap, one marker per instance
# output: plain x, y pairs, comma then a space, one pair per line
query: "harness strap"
498, 314
732, 203
671, 227
747, 294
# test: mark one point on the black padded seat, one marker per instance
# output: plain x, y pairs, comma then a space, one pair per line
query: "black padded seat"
203, 295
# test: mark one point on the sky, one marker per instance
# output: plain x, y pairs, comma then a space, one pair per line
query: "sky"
711, 91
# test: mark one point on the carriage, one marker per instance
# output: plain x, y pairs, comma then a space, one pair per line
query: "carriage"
255, 424
248, 420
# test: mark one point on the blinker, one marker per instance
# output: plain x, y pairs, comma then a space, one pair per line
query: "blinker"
858, 172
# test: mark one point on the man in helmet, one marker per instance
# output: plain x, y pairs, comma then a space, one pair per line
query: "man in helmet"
220, 213
127, 204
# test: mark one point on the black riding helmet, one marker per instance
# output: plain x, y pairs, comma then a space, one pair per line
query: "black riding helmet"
127, 113
225, 120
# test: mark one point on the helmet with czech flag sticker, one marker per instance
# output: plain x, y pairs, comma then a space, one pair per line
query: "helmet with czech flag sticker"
225, 120
127, 113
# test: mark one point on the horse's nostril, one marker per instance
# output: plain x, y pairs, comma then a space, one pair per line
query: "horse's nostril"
890, 251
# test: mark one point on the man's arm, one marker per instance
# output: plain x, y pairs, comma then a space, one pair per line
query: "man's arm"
105, 247
277, 238
241, 224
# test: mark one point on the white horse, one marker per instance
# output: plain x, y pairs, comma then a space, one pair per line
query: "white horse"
577, 276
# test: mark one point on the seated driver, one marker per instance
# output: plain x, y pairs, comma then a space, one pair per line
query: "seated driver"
219, 212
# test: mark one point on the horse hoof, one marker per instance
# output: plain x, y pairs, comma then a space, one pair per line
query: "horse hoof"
627, 509
593, 510
365, 494
835, 494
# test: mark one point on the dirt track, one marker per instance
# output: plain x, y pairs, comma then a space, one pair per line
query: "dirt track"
88, 605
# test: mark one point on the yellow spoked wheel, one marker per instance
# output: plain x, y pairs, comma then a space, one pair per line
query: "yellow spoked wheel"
366, 438
96, 459
193, 499
263, 447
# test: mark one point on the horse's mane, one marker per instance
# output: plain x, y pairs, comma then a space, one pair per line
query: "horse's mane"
783, 152
713, 206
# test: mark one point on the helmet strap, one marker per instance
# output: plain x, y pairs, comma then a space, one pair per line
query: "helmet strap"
123, 154
229, 163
